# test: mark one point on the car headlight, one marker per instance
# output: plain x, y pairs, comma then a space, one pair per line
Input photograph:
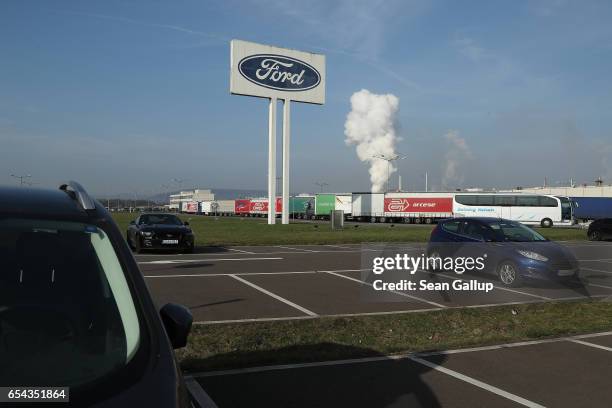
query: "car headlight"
533, 255
147, 233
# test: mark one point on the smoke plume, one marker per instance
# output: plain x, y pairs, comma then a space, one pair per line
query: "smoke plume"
371, 126
457, 154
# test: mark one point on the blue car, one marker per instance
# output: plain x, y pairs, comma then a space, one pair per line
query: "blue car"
508, 249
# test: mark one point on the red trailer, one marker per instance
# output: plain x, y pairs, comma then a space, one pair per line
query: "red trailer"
433, 205
259, 206
242, 207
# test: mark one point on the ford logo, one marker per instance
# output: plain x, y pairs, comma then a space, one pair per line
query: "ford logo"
278, 72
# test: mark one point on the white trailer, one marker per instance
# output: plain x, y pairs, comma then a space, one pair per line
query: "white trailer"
225, 207
344, 202
206, 207
367, 205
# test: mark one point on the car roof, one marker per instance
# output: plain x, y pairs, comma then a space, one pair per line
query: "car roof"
44, 203
481, 219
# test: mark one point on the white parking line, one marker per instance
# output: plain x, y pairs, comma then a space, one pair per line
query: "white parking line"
586, 343
597, 285
173, 261
197, 392
477, 383
595, 270
275, 296
199, 275
296, 249
241, 251
392, 291
391, 312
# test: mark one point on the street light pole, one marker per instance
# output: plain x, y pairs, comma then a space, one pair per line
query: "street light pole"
390, 159
21, 178
321, 184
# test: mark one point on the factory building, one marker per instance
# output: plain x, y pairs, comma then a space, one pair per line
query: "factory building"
575, 191
190, 195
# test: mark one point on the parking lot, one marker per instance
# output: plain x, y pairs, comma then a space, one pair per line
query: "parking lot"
569, 372
236, 284
228, 284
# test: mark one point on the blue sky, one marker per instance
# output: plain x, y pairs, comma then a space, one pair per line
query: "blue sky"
126, 95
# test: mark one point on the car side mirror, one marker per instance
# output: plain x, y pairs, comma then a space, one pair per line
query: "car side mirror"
132, 222
186, 223
177, 320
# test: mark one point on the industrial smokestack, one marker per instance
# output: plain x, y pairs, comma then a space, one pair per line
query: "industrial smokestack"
371, 125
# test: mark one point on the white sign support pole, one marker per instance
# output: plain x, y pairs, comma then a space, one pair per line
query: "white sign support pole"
286, 148
272, 163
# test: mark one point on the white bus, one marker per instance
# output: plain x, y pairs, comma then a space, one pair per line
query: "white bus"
543, 210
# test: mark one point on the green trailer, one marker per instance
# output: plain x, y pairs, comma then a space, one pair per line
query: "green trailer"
324, 205
301, 207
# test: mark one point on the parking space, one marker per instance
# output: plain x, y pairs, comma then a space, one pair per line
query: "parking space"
219, 298
385, 383
570, 372
306, 281
455, 298
326, 294
566, 374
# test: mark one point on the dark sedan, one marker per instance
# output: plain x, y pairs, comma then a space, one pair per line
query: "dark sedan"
159, 231
510, 250
600, 229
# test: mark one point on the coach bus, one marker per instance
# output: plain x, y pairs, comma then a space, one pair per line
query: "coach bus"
543, 210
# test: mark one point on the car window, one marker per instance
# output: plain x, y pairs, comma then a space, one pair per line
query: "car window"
67, 316
451, 226
514, 231
476, 230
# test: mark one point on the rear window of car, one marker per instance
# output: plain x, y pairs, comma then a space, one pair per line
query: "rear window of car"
67, 315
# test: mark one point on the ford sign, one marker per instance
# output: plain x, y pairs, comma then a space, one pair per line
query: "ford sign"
279, 72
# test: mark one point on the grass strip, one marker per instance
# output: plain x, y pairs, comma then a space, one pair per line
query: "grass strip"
239, 345
217, 231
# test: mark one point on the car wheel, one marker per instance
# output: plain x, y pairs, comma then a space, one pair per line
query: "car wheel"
508, 274
189, 249
546, 223
594, 236
434, 254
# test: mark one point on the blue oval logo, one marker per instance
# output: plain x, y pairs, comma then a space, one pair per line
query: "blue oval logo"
279, 72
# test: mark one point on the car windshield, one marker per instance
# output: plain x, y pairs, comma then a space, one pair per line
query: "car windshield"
157, 219
67, 317
514, 231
